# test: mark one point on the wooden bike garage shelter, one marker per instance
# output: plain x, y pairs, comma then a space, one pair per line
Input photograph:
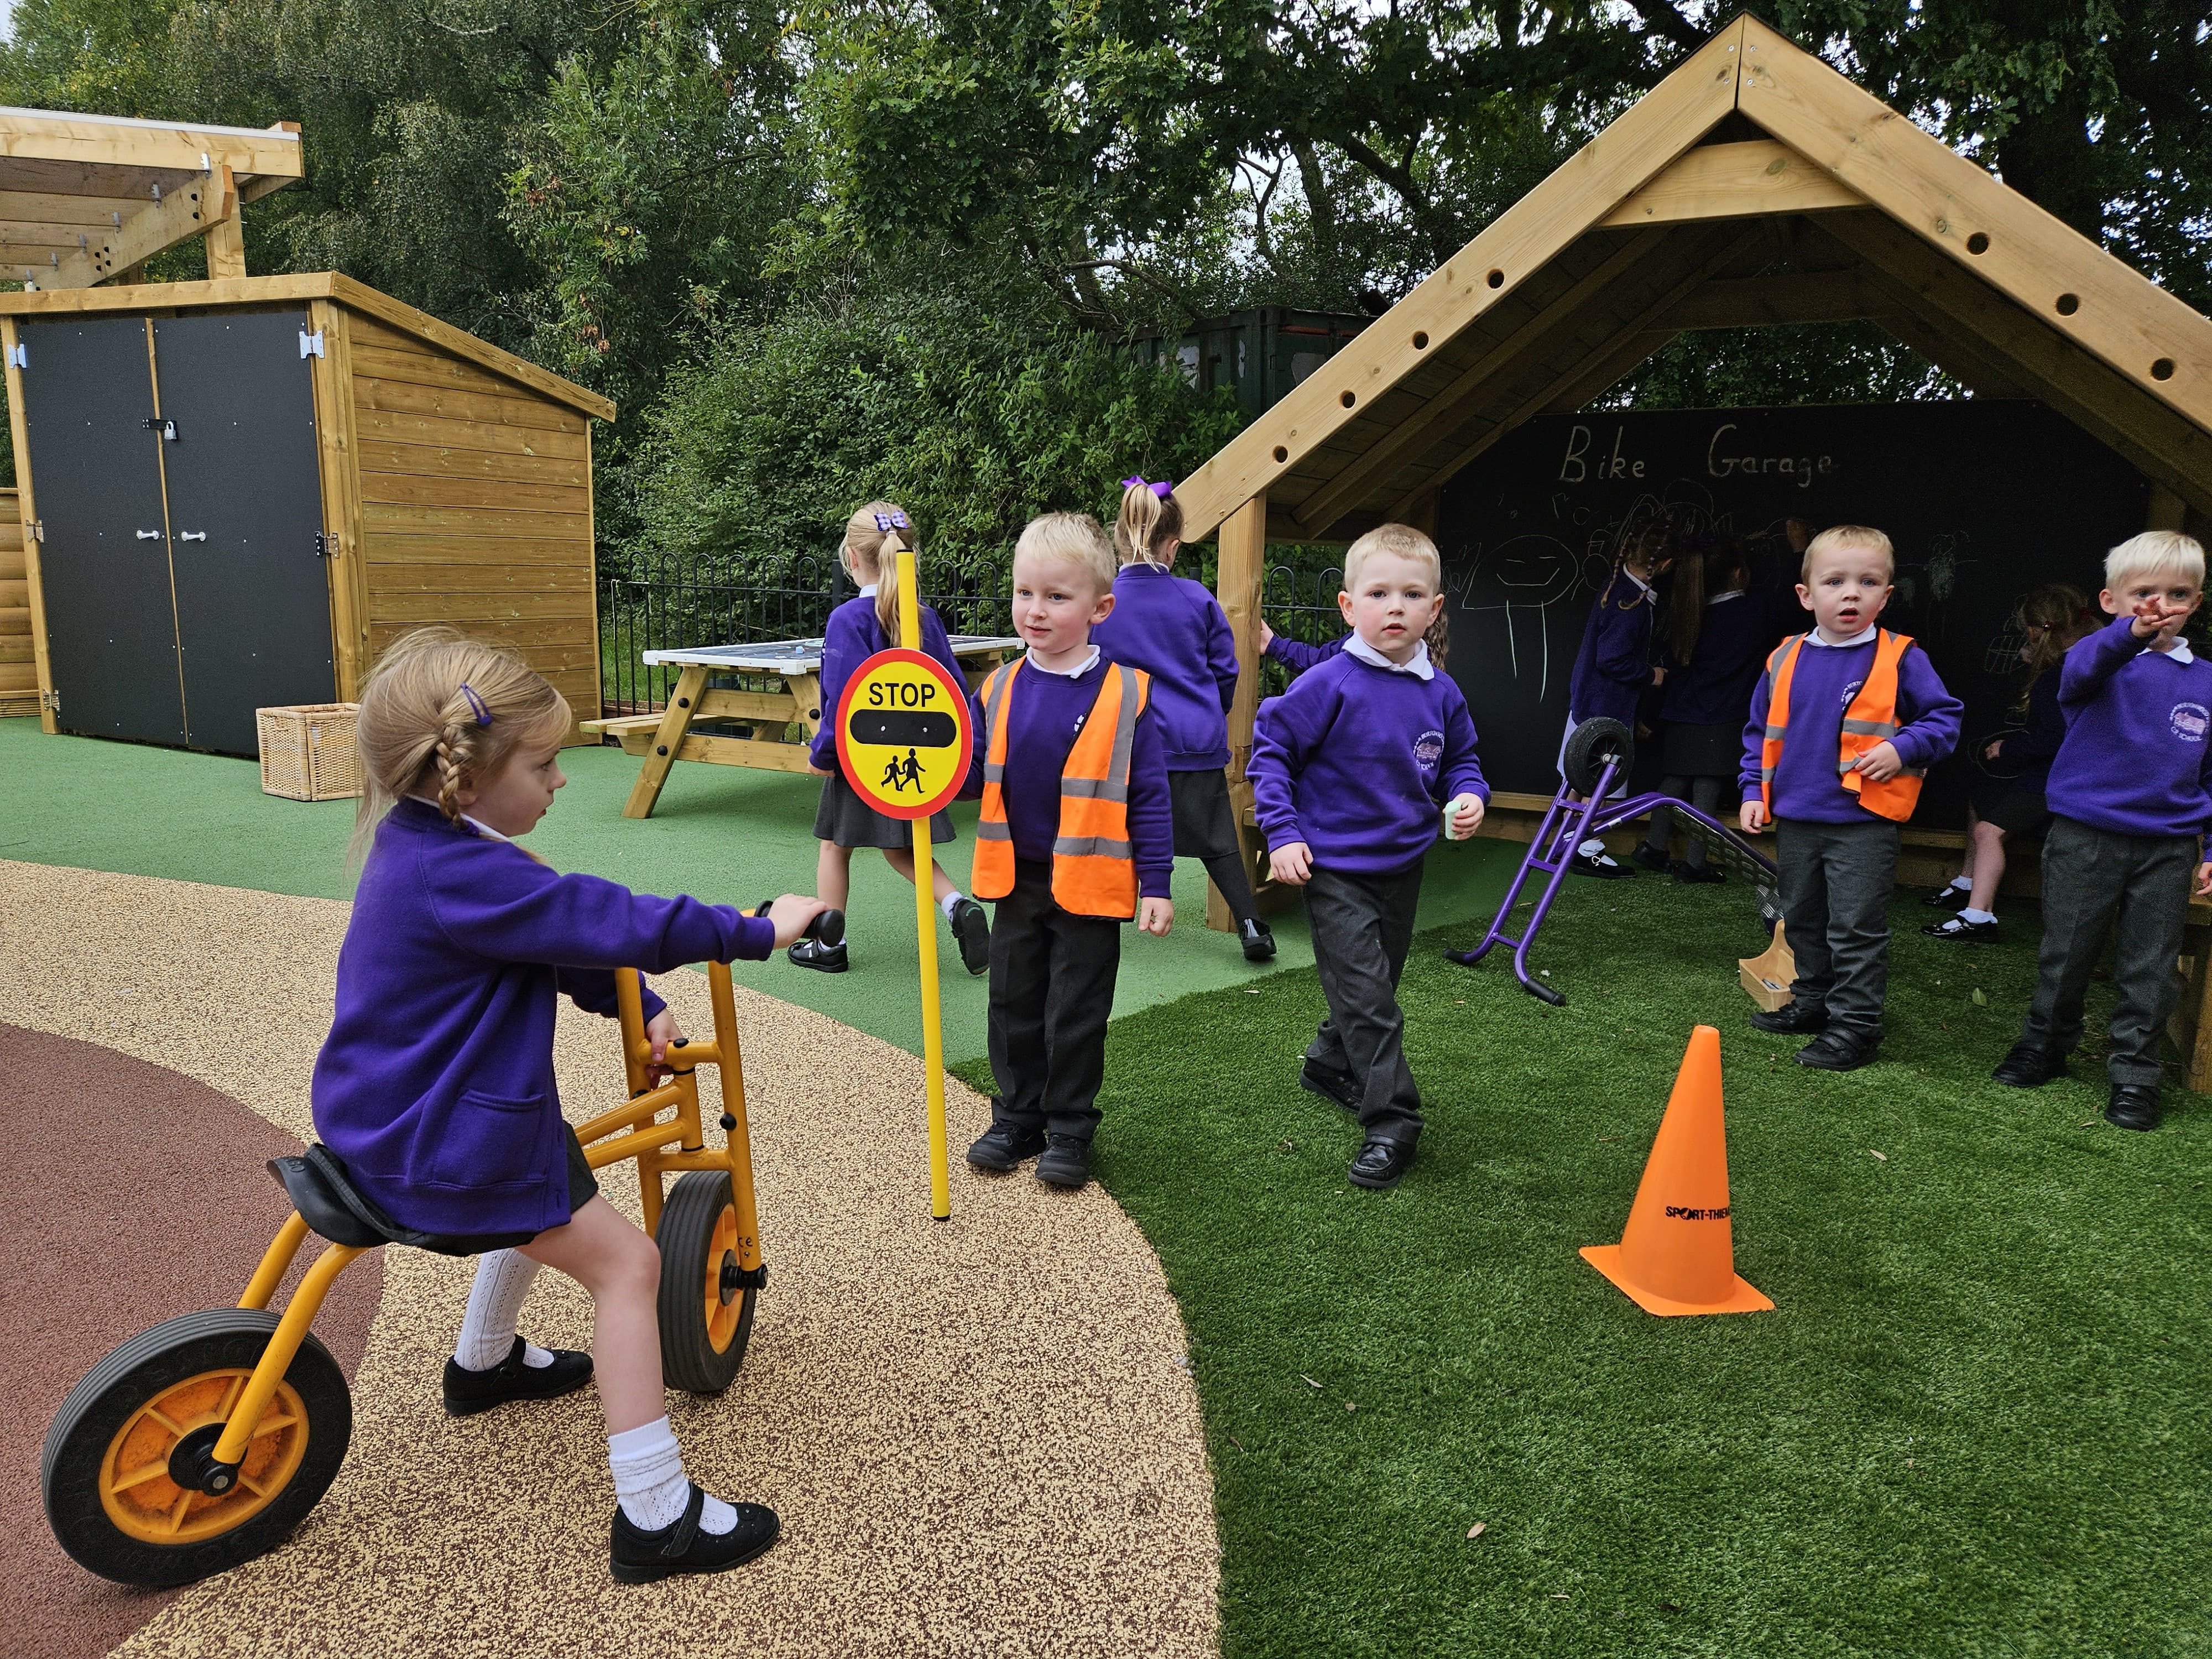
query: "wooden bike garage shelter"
234, 494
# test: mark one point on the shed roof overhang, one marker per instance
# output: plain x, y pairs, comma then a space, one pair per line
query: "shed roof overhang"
1753, 185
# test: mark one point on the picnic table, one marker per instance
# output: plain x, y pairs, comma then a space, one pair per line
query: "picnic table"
787, 693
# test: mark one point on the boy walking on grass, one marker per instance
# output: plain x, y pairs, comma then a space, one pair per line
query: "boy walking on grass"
1845, 723
1350, 769
2130, 794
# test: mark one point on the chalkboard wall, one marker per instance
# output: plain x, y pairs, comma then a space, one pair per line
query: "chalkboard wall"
1984, 500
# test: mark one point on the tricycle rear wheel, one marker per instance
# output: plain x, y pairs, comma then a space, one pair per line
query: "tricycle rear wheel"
706, 1314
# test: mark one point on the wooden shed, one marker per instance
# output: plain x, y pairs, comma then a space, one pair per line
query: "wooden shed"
235, 493
1753, 185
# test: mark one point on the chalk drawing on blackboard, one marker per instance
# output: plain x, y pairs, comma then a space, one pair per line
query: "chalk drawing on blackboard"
1521, 578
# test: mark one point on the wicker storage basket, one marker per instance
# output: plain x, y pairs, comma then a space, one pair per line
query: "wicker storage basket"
307, 752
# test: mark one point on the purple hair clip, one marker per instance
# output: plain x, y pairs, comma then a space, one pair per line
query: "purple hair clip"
476, 704
1163, 489
893, 519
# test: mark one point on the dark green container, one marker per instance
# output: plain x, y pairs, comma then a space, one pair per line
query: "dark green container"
1261, 354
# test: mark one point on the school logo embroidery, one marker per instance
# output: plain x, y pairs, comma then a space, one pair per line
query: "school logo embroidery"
1429, 748
1850, 691
2191, 720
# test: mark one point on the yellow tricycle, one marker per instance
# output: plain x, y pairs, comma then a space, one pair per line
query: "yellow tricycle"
203, 1442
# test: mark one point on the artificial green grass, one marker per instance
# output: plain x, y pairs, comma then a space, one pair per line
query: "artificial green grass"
1974, 1425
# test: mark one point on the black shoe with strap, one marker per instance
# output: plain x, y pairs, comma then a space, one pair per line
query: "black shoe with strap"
971, 927
1004, 1145
1650, 856
638, 1557
469, 1392
1947, 898
1792, 1018
1259, 943
1382, 1165
2133, 1106
1600, 865
822, 958
1065, 1162
1839, 1050
1331, 1084
1696, 875
2028, 1066
1963, 932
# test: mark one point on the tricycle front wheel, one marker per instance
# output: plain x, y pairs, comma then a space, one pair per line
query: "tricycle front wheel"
706, 1310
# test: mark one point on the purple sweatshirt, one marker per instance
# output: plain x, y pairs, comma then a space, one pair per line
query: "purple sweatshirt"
1612, 667
1172, 628
1714, 687
1808, 785
1357, 761
1297, 656
2135, 761
1047, 712
854, 635
435, 1086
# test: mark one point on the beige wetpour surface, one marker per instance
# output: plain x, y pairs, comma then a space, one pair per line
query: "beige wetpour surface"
981, 1433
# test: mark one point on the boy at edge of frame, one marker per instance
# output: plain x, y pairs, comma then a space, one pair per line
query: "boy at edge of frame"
1843, 724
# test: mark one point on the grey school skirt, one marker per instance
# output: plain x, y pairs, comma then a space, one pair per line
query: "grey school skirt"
845, 820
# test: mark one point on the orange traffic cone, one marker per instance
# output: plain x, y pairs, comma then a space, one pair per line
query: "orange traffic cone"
1677, 1255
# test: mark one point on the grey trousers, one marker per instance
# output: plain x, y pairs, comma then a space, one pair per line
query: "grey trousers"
1704, 794
1361, 927
1836, 882
2089, 875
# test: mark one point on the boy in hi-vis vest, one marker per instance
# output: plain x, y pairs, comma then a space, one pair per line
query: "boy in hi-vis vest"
1075, 838
2131, 797
1843, 723
1354, 769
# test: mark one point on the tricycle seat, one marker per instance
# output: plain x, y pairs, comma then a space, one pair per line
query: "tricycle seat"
336, 1209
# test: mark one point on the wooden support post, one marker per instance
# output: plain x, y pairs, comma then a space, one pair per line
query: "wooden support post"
661, 756
32, 549
1243, 567
343, 556
225, 239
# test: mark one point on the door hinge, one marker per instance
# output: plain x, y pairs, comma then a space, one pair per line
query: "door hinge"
311, 345
38, 530
19, 356
166, 428
51, 701
326, 544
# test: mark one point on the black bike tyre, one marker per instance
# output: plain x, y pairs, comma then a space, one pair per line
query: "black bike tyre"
142, 1369
688, 1359
1590, 746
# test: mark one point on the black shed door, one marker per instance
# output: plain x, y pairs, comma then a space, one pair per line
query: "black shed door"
253, 609
96, 483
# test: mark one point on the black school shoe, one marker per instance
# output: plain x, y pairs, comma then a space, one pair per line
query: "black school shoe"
1947, 898
1838, 1050
1334, 1086
469, 1392
1259, 943
1066, 1163
2133, 1106
1382, 1165
971, 925
1004, 1145
2027, 1067
638, 1557
1791, 1018
1964, 932
1696, 875
813, 953
1600, 865
1650, 856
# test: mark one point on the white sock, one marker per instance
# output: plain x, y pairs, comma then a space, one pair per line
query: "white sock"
1967, 912
1964, 884
503, 1280
950, 902
1592, 849
650, 1483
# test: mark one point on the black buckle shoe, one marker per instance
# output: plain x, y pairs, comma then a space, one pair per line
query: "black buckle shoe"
638, 1557
971, 925
1004, 1145
813, 953
1650, 856
1696, 875
1259, 943
1334, 1086
2133, 1106
1792, 1018
1948, 898
469, 1392
1838, 1051
1600, 865
2027, 1067
1382, 1165
1964, 932
1065, 1162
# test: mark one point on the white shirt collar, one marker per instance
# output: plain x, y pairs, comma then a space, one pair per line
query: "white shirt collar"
1722, 598
1813, 637
2179, 653
1076, 672
869, 591
1642, 586
483, 829
1417, 664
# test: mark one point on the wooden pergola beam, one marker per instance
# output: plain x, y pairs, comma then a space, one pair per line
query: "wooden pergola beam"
178, 217
1810, 296
36, 135
1746, 180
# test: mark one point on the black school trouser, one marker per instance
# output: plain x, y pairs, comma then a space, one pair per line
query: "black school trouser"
1052, 990
1835, 880
2091, 876
1361, 927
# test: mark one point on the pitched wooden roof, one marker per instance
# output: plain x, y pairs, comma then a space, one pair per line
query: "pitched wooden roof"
84, 197
1753, 184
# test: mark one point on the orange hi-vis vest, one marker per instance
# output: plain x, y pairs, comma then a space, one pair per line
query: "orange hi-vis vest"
1870, 720
1093, 872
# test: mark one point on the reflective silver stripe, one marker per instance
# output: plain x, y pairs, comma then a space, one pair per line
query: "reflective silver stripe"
1776, 733
987, 830
1089, 846
1766, 775
1125, 734
1096, 788
994, 772
1869, 728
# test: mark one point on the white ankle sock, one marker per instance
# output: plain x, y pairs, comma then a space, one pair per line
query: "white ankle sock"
503, 1280
1963, 884
650, 1483
948, 902
1593, 849
1967, 912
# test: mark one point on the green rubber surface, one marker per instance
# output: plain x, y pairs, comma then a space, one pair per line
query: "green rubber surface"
729, 834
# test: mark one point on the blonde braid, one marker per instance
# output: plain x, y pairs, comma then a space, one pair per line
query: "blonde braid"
453, 765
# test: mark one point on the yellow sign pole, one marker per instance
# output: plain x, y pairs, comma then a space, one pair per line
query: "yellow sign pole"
925, 919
